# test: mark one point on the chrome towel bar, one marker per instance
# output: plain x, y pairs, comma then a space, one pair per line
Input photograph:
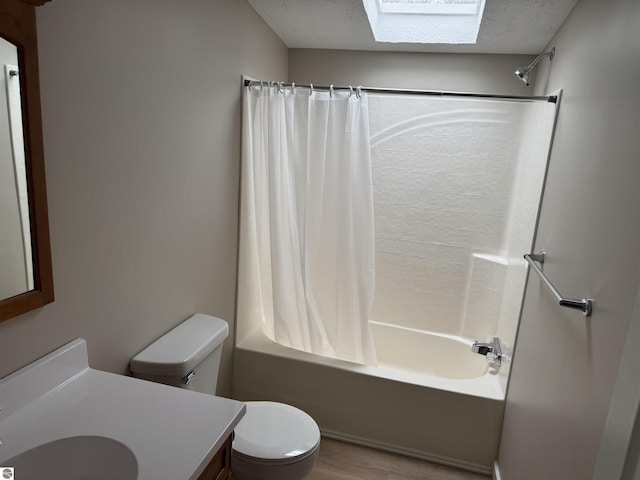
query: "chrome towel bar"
584, 304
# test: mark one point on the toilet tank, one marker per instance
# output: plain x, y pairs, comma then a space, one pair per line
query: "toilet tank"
187, 356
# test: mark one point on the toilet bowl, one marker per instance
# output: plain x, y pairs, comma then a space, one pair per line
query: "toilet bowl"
273, 441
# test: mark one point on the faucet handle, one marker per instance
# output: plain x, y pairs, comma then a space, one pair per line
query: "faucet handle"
494, 359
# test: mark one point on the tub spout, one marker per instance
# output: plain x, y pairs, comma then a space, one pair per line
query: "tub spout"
491, 350
481, 348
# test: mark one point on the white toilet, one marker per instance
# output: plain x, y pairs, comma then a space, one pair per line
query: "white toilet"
273, 441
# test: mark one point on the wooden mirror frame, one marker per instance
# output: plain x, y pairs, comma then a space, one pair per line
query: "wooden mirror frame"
18, 26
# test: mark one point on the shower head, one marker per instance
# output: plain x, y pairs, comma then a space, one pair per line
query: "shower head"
524, 72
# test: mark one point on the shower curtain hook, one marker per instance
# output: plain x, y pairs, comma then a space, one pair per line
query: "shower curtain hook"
293, 87
359, 91
350, 91
310, 89
331, 90
280, 87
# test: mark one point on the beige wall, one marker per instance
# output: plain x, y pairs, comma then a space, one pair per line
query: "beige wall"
565, 365
453, 72
141, 130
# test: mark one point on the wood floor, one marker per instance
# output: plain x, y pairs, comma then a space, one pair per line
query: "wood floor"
344, 461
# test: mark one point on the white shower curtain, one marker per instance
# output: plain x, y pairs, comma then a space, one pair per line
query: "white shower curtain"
307, 234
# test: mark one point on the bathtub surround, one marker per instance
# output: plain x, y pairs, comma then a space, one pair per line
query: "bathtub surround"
457, 186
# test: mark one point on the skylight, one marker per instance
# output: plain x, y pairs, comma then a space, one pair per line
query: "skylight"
425, 21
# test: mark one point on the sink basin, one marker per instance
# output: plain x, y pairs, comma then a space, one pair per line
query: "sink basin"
76, 458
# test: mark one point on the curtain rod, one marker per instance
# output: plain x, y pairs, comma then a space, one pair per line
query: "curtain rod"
550, 99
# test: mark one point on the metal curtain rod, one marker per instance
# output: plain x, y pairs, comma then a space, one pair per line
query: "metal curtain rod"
550, 99
584, 304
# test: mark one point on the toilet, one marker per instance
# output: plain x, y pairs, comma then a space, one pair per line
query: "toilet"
273, 441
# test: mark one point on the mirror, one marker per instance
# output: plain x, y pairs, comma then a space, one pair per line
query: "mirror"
15, 236
26, 279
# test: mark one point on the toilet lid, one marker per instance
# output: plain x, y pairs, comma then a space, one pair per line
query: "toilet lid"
271, 430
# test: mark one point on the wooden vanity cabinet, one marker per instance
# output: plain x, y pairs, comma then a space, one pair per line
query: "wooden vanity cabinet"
220, 467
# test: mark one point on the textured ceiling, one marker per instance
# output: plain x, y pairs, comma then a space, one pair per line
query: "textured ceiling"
508, 26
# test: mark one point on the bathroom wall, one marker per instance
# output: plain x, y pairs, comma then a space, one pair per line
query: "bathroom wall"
438, 71
141, 119
565, 365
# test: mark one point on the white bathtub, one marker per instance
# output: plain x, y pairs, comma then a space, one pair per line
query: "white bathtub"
430, 397
427, 353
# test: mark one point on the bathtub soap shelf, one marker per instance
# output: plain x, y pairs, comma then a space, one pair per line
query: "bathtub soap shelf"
584, 304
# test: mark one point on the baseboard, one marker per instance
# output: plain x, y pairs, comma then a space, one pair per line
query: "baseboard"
409, 452
496, 471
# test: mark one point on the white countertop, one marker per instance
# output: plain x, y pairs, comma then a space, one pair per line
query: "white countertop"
172, 432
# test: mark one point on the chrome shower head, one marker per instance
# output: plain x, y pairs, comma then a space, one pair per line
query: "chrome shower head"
524, 72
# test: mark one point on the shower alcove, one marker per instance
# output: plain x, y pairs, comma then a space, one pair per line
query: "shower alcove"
457, 184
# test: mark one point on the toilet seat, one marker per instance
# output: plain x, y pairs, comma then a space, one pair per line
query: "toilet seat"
237, 456
273, 433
